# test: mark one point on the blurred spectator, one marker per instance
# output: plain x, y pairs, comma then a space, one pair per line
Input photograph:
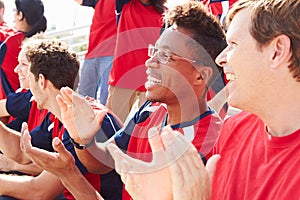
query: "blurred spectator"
29, 19
139, 25
98, 60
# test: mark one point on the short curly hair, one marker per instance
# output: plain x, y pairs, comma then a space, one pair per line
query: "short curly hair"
53, 59
205, 28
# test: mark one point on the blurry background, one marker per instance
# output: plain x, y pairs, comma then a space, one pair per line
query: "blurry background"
60, 14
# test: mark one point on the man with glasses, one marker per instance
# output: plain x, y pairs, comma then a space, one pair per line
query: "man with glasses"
180, 70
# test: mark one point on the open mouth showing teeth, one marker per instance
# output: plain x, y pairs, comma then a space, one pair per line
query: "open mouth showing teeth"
153, 80
230, 76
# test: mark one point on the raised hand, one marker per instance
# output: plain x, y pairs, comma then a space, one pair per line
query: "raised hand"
144, 180
6, 163
176, 171
58, 163
78, 115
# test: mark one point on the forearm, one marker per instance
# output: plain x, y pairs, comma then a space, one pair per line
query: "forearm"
96, 158
8, 165
79, 187
3, 111
10, 144
27, 169
14, 186
44, 186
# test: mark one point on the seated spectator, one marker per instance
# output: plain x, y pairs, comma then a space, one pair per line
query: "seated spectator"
52, 66
21, 107
179, 75
258, 149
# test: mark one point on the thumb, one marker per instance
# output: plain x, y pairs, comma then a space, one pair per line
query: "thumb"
100, 114
118, 156
211, 166
59, 147
155, 143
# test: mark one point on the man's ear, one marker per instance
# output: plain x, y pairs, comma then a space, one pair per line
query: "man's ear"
280, 50
42, 81
20, 15
204, 74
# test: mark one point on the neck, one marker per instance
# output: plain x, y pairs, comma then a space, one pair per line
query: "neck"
185, 110
24, 27
53, 107
281, 113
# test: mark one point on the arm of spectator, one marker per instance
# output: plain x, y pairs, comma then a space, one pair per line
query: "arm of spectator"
176, 171
3, 111
82, 123
78, 117
8, 165
145, 180
61, 164
89, 3
96, 158
10, 138
44, 186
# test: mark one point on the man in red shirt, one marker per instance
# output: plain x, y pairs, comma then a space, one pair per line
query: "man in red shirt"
180, 70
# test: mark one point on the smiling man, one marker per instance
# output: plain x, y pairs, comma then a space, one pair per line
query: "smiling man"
259, 148
180, 70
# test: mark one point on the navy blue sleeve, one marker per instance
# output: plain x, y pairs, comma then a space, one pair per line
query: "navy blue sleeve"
18, 105
89, 3
69, 146
109, 127
15, 124
41, 136
122, 137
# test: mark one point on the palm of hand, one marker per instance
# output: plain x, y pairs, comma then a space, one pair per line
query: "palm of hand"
78, 117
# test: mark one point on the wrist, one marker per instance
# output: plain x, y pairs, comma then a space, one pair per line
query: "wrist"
82, 146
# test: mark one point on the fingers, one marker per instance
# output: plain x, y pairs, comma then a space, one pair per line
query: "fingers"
67, 93
118, 157
100, 114
211, 165
60, 148
25, 142
175, 144
186, 174
136, 165
156, 145
62, 104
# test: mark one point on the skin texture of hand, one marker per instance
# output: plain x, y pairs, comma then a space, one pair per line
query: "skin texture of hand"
8, 165
62, 164
5, 163
58, 164
176, 171
78, 117
144, 180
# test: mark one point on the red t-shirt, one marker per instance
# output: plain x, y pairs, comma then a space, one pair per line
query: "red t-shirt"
10, 47
254, 164
139, 26
59, 131
202, 132
102, 37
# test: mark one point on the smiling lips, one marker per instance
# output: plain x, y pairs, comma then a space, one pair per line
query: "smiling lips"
21, 78
230, 76
153, 81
